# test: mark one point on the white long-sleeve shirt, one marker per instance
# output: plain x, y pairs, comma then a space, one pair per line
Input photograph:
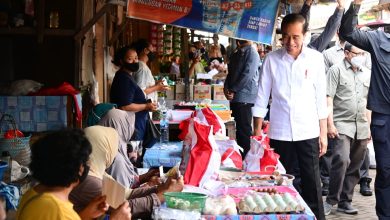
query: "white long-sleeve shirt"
298, 89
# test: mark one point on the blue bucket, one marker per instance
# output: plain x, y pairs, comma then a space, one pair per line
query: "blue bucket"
3, 167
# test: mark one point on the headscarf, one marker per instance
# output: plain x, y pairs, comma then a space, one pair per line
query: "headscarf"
122, 169
97, 112
104, 142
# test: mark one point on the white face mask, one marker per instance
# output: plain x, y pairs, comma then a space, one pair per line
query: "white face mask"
358, 61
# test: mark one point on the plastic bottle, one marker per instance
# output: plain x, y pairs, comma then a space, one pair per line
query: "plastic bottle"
164, 127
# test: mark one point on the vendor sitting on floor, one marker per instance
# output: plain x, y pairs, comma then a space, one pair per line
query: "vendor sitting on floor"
104, 142
123, 169
59, 164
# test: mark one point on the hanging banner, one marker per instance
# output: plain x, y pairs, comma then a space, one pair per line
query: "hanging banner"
245, 19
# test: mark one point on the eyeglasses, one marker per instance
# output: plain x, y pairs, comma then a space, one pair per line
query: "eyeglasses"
357, 54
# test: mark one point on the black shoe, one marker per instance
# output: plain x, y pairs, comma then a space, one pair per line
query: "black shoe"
365, 187
347, 208
325, 189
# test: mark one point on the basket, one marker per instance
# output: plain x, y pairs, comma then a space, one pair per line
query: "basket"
18, 147
185, 200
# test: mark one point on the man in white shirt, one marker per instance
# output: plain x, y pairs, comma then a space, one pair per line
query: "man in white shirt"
295, 78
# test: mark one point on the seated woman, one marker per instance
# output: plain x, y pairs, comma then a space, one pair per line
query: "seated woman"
104, 149
59, 164
123, 169
125, 92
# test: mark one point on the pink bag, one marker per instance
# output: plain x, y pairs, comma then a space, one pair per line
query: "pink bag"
204, 159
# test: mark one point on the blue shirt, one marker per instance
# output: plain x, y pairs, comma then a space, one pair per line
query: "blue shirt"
243, 74
378, 44
124, 91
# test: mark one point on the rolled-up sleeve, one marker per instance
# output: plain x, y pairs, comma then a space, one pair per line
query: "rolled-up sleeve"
320, 89
265, 83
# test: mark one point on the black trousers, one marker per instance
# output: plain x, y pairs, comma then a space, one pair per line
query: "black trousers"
306, 153
242, 113
380, 130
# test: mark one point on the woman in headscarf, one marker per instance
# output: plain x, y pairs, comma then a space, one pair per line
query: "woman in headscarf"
104, 143
122, 169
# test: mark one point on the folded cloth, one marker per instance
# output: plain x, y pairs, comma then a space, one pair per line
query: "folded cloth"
11, 194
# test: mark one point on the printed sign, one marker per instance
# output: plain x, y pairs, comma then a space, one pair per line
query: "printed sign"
245, 19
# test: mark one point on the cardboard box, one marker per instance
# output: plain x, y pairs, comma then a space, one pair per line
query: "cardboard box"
170, 93
180, 92
202, 92
218, 93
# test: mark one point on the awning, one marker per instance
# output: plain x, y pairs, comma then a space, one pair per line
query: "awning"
243, 19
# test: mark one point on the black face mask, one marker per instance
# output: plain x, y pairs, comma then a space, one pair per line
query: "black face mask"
133, 67
84, 175
151, 56
220, 59
202, 50
191, 55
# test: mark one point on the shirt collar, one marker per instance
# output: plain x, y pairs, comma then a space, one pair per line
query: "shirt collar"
338, 46
302, 54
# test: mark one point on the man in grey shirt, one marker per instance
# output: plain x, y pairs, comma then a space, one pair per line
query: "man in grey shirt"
378, 44
348, 126
333, 56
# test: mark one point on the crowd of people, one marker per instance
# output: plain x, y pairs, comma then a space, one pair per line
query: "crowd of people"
323, 106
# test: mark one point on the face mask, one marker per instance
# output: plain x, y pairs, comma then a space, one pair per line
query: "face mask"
191, 55
84, 174
220, 59
133, 67
202, 50
358, 61
151, 56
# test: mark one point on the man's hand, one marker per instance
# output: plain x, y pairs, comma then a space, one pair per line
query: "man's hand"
369, 135
161, 87
96, 208
228, 94
340, 4
357, 2
154, 181
151, 107
323, 145
123, 212
332, 131
147, 176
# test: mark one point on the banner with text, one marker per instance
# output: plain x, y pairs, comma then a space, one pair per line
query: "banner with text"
246, 19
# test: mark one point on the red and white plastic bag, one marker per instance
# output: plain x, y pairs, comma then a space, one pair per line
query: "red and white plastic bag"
230, 153
260, 157
204, 159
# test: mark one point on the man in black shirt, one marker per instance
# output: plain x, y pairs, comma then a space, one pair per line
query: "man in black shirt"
378, 44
